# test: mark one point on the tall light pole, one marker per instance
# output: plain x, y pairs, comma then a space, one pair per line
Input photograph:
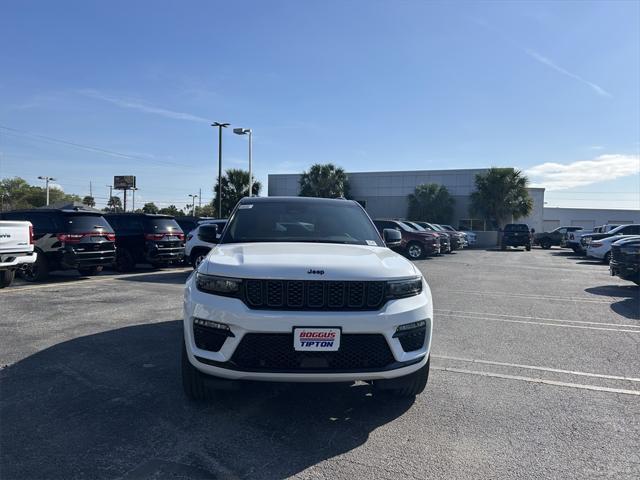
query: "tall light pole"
220, 127
193, 209
247, 131
133, 201
46, 181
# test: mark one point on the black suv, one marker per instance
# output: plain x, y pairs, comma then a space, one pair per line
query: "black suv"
146, 238
67, 239
516, 235
625, 259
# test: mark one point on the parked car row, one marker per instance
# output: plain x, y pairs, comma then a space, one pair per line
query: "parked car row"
616, 245
421, 239
88, 241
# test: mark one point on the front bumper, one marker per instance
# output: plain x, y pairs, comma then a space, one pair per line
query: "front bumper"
244, 321
598, 252
626, 271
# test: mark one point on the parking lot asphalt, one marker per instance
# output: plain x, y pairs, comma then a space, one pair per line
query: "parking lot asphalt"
535, 374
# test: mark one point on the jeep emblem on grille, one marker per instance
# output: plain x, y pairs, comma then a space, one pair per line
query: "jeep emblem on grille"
315, 272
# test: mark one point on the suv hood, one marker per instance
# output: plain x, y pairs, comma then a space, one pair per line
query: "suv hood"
294, 261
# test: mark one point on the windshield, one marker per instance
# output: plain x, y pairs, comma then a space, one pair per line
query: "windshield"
324, 222
414, 226
162, 225
86, 223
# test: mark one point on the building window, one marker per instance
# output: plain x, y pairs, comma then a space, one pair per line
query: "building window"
473, 224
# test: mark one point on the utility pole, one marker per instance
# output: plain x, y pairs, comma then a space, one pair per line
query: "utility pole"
47, 180
90, 189
200, 198
220, 127
247, 131
125, 200
110, 194
133, 200
193, 207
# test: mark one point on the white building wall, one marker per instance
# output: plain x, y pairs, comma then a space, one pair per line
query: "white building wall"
587, 217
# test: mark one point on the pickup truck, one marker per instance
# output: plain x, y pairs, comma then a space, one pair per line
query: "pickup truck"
547, 239
574, 239
633, 229
516, 235
16, 249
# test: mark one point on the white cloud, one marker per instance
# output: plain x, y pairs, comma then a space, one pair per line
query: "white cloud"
141, 106
545, 61
560, 176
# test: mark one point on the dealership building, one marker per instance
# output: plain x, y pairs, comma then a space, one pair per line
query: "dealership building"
384, 195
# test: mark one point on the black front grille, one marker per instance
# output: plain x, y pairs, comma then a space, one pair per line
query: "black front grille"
210, 339
275, 352
413, 339
313, 295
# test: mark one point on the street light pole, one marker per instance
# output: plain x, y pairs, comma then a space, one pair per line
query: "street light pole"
193, 208
247, 131
220, 127
47, 180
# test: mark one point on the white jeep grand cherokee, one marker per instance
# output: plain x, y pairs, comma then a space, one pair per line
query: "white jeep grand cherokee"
305, 290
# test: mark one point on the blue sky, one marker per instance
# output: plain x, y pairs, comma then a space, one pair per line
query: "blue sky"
549, 87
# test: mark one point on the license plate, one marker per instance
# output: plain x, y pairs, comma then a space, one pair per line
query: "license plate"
316, 339
172, 237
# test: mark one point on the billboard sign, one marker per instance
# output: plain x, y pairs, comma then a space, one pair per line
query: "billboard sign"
124, 182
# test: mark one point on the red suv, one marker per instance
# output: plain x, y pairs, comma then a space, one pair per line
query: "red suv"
414, 244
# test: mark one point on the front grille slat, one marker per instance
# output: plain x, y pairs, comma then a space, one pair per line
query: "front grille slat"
275, 352
313, 295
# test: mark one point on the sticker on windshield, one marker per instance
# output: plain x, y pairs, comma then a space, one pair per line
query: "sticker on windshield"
371, 242
248, 205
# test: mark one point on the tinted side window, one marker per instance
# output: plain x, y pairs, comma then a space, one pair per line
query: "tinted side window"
42, 222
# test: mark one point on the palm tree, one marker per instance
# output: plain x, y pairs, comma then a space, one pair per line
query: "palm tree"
150, 207
235, 186
431, 202
501, 196
89, 201
325, 180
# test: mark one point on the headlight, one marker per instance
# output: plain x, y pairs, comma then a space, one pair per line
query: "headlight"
404, 288
218, 285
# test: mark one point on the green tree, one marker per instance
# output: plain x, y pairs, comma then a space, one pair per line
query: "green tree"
235, 186
325, 180
171, 210
501, 196
150, 207
89, 201
205, 211
17, 193
114, 204
431, 202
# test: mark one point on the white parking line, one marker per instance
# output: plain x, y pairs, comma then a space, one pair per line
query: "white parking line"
539, 380
544, 369
89, 281
469, 317
537, 318
535, 297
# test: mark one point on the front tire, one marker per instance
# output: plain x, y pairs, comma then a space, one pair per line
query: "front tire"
607, 258
197, 257
192, 379
528, 248
546, 244
415, 251
409, 386
6, 278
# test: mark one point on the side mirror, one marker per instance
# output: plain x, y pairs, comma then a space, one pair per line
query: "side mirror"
208, 233
392, 238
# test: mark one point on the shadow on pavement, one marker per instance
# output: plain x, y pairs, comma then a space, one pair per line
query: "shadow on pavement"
629, 307
111, 405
